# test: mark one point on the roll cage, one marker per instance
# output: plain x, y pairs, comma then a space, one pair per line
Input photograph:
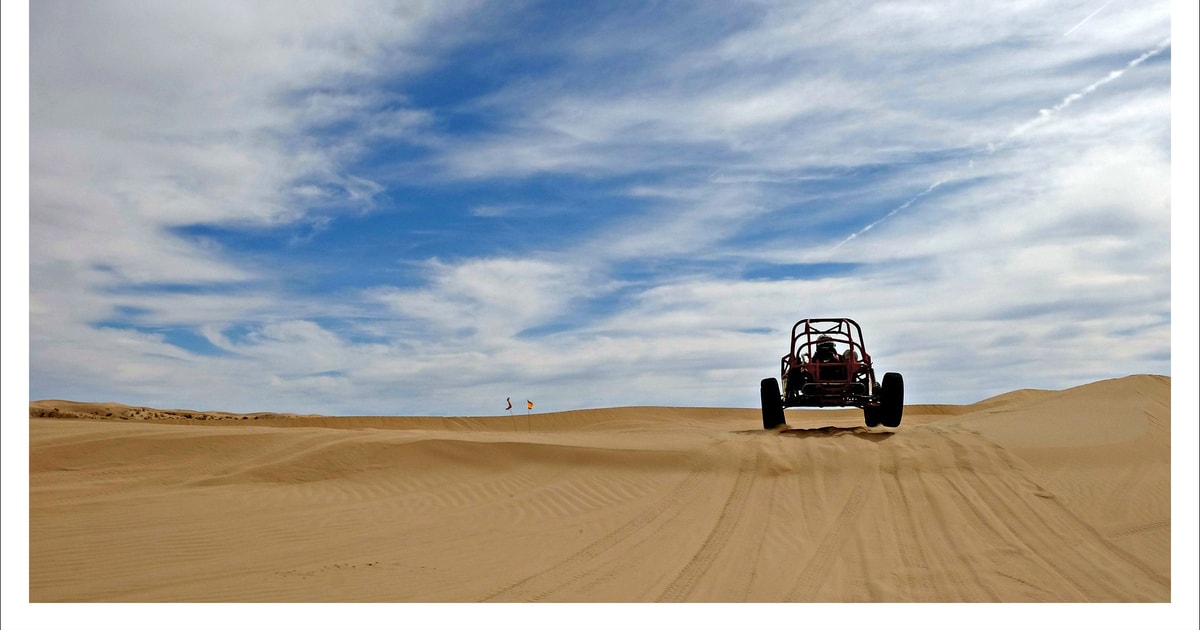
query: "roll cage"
845, 380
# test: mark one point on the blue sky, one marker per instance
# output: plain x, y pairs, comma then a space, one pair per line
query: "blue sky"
426, 208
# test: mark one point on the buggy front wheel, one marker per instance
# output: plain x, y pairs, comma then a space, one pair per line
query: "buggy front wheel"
891, 399
772, 403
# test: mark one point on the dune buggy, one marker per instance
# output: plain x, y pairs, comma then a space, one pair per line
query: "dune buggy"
827, 365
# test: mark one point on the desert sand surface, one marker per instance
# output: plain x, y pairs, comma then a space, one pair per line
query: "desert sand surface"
1033, 496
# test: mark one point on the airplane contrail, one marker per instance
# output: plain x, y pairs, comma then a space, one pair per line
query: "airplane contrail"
1043, 115
1072, 29
894, 211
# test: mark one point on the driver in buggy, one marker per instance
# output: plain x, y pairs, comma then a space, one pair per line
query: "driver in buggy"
826, 352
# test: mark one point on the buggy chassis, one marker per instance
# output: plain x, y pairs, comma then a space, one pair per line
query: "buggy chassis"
843, 379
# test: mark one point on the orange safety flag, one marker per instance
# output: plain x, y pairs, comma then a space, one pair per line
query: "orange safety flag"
529, 403
509, 401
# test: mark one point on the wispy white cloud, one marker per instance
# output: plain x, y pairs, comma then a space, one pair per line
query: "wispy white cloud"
991, 218
147, 116
489, 298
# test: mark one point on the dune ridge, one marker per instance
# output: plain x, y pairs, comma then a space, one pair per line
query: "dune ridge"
1031, 496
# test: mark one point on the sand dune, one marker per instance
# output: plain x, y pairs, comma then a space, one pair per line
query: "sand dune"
1034, 496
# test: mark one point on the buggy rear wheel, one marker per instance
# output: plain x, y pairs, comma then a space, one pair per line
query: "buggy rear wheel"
871, 415
772, 403
891, 398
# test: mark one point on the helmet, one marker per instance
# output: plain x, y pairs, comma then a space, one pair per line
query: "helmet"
825, 343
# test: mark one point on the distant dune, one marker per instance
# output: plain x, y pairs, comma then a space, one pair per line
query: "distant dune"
1032, 496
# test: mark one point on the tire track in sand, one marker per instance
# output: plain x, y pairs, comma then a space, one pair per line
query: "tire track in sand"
702, 560
561, 574
819, 564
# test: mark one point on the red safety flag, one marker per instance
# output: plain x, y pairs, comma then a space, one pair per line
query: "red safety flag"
509, 401
529, 403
